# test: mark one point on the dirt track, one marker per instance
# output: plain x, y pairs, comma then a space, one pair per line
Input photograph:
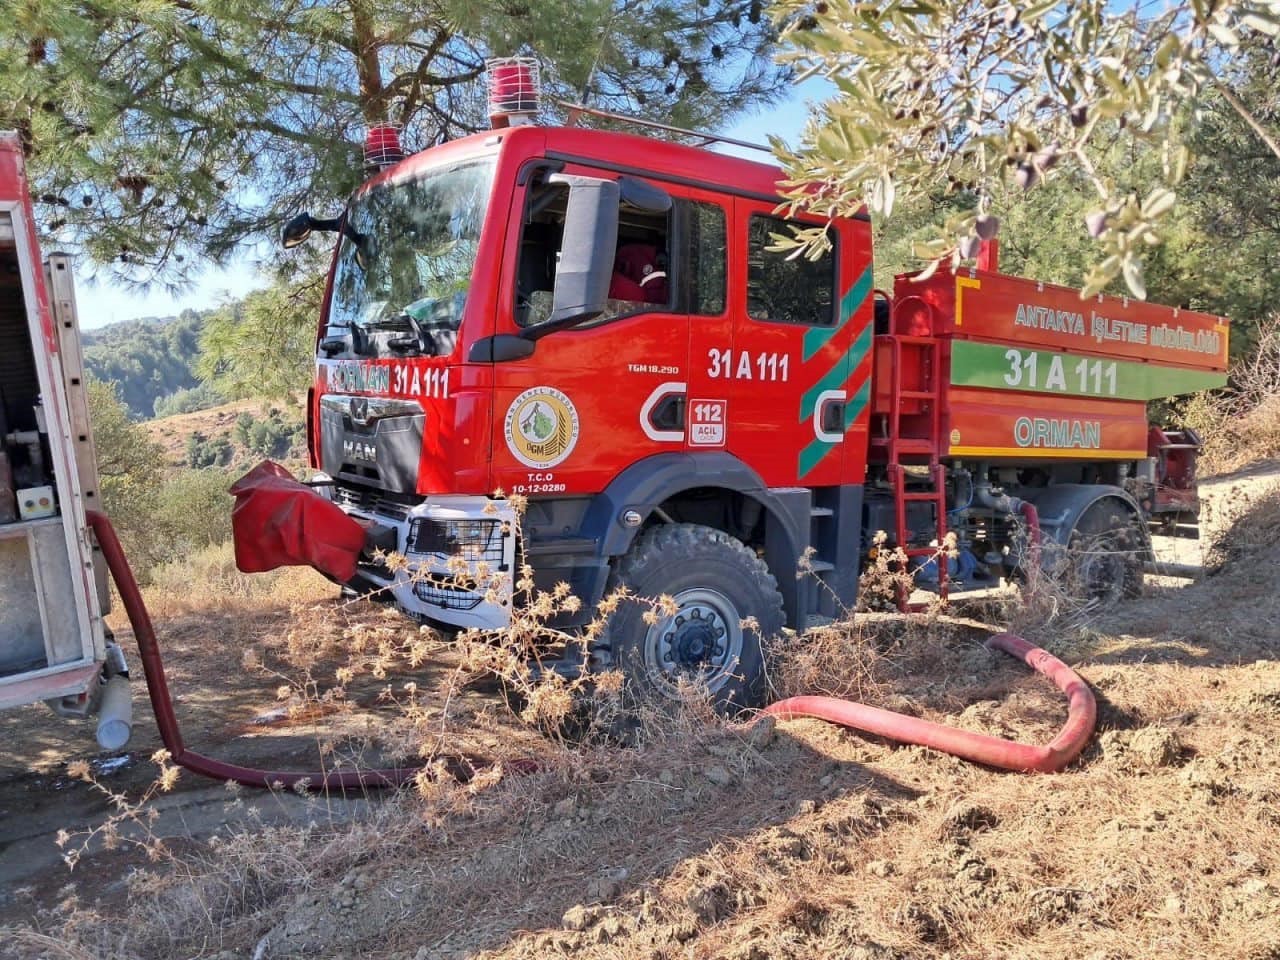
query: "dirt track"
224, 709
812, 842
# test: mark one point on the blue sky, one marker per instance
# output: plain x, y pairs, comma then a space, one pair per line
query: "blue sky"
103, 303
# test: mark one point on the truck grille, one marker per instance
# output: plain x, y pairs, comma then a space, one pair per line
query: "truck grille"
370, 501
474, 540
445, 595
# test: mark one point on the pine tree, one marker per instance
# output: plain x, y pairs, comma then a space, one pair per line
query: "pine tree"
165, 132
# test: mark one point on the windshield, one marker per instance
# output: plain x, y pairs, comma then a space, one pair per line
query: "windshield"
405, 264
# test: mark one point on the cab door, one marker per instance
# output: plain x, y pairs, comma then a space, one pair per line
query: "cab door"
705, 220
587, 401
788, 369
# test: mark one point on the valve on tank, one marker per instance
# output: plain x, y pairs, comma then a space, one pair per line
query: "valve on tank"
24, 476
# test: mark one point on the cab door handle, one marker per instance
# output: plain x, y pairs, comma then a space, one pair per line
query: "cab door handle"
663, 412
669, 412
828, 416
833, 417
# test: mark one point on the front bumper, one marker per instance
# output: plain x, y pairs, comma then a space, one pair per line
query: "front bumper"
454, 560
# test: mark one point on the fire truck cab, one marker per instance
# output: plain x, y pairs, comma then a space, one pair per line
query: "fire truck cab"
538, 312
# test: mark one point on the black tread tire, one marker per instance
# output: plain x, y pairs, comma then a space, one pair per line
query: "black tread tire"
670, 558
1107, 527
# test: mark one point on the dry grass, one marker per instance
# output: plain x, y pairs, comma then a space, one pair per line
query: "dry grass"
194, 582
1259, 428
711, 840
1248, 523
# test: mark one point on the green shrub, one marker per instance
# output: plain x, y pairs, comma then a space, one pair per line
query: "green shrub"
205, 452
270, 436
200, 397
192, 511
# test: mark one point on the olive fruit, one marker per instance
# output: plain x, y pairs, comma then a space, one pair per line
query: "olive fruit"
1096, 223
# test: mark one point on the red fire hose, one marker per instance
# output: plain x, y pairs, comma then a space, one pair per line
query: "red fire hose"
1082, 711
978, 747
162, 704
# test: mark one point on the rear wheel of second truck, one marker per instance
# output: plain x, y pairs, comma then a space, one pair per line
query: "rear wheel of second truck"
1105, 555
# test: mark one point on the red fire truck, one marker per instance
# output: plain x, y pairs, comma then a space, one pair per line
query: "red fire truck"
596, 322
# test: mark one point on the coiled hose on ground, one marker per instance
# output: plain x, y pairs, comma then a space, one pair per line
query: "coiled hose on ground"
1082, 710
979, 748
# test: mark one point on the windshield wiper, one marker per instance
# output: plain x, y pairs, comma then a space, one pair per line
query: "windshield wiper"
417, 343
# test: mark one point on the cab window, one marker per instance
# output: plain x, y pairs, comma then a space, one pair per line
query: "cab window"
640, 280
783, 288
707, 258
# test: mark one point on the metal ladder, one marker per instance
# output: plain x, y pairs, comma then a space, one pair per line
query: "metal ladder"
66, 326
923, 443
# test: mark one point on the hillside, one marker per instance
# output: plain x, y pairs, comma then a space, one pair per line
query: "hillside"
231, 434
149, 359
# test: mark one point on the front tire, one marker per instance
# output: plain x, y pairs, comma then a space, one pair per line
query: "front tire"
716, 583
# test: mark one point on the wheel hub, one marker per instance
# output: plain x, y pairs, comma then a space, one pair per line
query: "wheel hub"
700, 641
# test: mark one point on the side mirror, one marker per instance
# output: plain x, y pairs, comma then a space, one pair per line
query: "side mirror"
296, 230
331, 346
299, 228
586, 252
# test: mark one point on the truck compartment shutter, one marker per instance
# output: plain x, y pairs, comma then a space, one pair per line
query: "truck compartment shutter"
19, 382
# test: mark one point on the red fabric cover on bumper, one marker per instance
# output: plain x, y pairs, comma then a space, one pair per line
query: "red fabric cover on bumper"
280, 522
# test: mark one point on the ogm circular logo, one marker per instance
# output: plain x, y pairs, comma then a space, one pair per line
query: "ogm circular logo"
541, 427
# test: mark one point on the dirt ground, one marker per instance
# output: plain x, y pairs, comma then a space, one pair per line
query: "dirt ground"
792, 840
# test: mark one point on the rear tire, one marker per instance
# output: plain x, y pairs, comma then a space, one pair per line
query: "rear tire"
716, 582
1105, 555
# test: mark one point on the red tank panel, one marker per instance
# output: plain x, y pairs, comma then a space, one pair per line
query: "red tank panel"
1029, 371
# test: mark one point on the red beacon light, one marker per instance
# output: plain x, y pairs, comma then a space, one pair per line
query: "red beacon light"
514, 90
382, 147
